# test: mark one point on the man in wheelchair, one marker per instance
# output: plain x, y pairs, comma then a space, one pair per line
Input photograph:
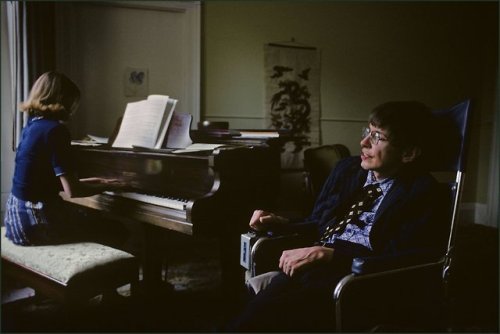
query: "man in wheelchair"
382, 202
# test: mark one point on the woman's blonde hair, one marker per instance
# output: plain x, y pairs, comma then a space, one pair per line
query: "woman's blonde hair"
53, 94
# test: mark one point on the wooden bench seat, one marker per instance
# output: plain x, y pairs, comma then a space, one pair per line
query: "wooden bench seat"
69, 273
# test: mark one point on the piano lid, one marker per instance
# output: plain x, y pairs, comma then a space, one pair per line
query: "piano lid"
155, 173
188, 176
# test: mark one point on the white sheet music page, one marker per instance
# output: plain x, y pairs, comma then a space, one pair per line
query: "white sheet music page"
167, 118
141, 123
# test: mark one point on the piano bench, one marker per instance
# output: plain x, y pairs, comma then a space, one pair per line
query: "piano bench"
69, 273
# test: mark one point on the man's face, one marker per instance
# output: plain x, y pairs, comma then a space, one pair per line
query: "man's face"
382, 157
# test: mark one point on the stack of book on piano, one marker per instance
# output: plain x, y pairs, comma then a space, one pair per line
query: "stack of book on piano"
259, 134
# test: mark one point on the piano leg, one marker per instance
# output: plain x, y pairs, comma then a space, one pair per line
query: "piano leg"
154, 261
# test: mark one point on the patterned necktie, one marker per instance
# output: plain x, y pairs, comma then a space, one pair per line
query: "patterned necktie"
363, 202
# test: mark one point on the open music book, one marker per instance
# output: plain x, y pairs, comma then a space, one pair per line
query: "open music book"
145, 122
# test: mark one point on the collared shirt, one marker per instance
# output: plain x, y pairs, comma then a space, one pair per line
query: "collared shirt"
361, 235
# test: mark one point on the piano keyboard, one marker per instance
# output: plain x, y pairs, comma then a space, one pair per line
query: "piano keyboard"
168, 202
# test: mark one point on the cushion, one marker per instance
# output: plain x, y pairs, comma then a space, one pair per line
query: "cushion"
67, 262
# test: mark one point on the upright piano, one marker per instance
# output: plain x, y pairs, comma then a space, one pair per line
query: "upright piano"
203, 193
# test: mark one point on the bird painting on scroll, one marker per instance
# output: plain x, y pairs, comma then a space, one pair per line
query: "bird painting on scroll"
292, 98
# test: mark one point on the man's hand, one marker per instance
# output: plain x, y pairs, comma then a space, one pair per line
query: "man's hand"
262, 220
294, 260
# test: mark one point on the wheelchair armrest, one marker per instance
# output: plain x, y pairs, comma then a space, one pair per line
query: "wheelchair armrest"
266, 246
266, 250
374, 264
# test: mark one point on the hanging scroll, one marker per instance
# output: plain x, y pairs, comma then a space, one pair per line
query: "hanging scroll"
293, 97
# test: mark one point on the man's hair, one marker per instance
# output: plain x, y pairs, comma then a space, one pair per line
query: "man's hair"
53, 95
405, 122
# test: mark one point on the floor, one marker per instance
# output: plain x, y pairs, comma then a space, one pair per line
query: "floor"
196, 302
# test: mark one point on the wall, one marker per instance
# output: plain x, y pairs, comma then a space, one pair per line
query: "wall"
438, 53
98, 41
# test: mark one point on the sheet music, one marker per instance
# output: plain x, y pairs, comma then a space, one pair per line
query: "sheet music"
100, 140
141, 123
166, 122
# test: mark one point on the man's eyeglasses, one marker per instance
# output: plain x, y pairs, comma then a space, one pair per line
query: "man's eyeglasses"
375, 136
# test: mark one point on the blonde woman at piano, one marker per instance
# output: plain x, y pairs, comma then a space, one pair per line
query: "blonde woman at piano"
43, 166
